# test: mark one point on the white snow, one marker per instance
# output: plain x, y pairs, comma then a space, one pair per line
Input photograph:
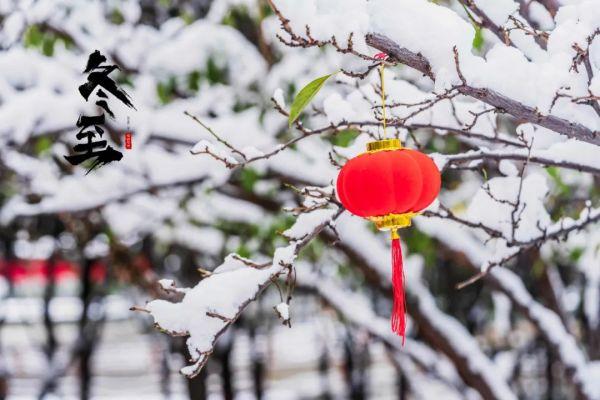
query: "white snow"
160, 189
307, 222
283, 310
210, 306
489, 206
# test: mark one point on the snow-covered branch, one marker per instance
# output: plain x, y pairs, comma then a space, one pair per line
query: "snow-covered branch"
209, 308
508, 105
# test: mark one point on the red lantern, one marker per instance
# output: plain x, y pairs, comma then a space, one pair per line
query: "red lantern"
389, 185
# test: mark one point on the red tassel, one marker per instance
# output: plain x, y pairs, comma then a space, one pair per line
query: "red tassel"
399, 310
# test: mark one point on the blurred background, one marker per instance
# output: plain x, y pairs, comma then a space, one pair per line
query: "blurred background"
68, 278
77, 252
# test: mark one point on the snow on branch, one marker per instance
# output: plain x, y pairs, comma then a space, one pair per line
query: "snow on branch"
441, 330
210, 307
546, 321
529, 82
552, 330
491, 97
354, 308
571, 154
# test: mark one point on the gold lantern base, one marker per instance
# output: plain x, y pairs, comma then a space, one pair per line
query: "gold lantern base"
393, 221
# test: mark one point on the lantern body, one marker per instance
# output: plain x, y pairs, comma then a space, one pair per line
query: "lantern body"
391, 181
388, 185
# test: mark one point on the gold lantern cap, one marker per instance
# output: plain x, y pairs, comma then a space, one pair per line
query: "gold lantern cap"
385, 144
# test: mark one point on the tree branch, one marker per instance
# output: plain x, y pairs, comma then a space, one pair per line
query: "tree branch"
510, 106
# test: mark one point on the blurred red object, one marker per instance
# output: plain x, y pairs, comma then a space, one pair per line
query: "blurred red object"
20, 271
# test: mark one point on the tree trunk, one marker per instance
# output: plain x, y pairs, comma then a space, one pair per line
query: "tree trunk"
51, 342
324, 374
85, 354
223, 355
257, 357
197, 389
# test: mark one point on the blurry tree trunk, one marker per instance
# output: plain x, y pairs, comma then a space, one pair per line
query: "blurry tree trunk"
355, 358
364, 360
257, 357
324, 373
3, 371
49, 293
86, 348
552, 290
263, 46
3, 385
594, 342
189, 276
89, 329
593, 334
549, 375
223, 355
197, 385
6, 240
401, 384
348, 363
8, 254
165, 369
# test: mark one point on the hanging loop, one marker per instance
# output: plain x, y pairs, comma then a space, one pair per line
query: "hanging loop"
383, 57
383, 110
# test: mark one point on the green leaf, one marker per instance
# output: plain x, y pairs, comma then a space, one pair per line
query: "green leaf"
48, 45
194, 80
303, 98
243, 251
478, 39
248, 177
563, 188
42, 145
214, 73
116, 17
187, 17
166, 90
576, 254
33, 36
345, 137
417, 242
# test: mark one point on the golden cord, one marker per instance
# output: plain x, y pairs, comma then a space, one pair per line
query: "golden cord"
381, 70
